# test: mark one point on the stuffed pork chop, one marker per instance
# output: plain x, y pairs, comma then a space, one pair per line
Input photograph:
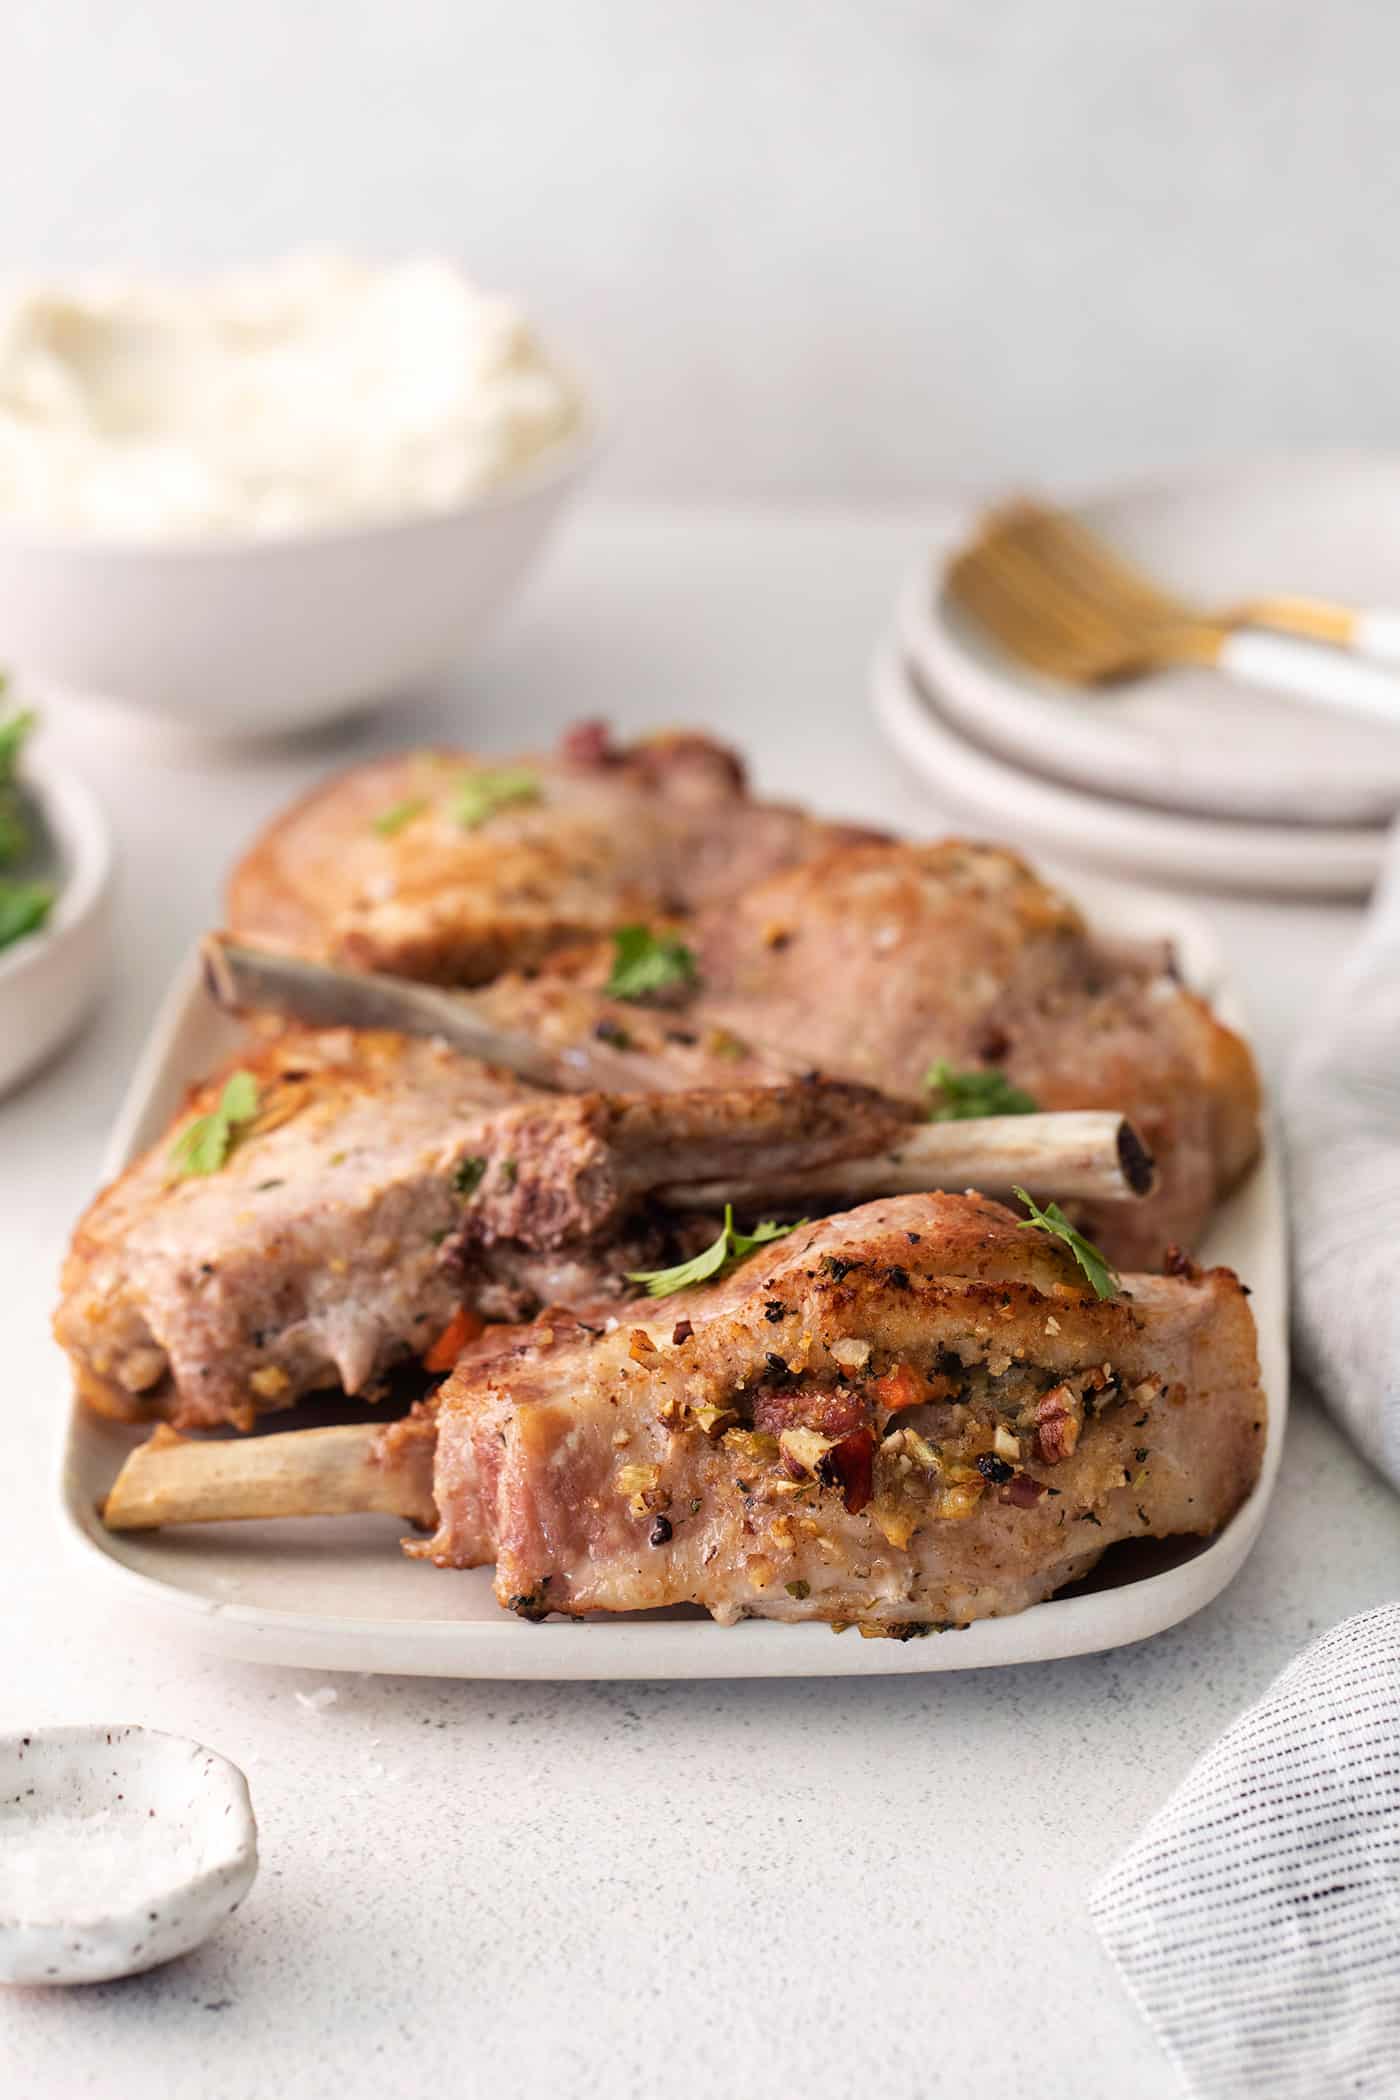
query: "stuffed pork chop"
915, 1412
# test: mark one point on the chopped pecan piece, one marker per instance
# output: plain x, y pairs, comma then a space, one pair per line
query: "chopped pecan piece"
714, 1420
642, 1487
1059, 1415
803, 1450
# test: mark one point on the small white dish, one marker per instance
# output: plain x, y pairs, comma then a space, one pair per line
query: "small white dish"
335, 1593
981, 790
263, 637
120, 1848
50, 980
1189, 739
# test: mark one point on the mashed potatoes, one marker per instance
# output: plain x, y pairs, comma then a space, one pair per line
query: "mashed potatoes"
317, 393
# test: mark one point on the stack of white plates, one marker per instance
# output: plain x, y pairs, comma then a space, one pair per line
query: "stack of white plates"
1186, 774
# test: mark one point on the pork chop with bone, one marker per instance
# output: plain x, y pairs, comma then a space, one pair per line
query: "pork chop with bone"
913, 1413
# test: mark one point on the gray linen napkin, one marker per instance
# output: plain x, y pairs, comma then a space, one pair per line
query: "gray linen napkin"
1256, 1920
1342, 1129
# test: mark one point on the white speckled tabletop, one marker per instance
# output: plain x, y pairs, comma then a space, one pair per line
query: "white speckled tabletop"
613, 1890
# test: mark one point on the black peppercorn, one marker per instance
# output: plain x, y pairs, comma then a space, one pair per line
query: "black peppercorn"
660, 1532
993, 1468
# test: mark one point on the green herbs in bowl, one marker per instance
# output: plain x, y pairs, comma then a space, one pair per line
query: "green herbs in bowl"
26, 893
56, 902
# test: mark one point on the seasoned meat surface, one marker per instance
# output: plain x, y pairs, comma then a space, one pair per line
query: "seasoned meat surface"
385, 1180
875, 961
402, 865
912, 1414
883, 959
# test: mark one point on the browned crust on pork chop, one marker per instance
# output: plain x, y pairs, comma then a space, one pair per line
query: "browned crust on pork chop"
610, 835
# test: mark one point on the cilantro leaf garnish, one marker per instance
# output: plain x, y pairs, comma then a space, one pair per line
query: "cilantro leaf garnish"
645, 962
961, 1097
204, 1145
722, 1255
24, 906
12, 738
479, 795
391, 821
1103, 1277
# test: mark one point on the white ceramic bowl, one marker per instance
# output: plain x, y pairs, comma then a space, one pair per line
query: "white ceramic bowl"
119, 1848
262, 636
50, 980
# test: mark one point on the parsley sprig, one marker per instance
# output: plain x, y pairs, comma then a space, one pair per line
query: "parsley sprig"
24, 906
961, 1097
12, 737
1103, 1277
390, 822
14, 831
723, 1254
204, 1145
645, 962
467, 1174
479, 795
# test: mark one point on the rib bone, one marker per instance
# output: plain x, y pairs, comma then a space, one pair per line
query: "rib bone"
243, 979
334, 1472
1089, 1154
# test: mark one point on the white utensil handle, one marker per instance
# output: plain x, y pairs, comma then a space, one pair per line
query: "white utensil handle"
1377, 634
1312, 671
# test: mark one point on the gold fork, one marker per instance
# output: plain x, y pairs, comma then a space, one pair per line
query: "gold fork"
1061, 601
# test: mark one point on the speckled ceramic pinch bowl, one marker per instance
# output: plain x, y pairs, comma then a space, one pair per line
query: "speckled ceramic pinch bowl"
119, 1849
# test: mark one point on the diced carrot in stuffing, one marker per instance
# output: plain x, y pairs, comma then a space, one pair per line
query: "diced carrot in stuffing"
463, 1327
900, 1387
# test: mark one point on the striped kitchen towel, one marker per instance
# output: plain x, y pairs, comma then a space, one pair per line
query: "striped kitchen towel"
1256, 1920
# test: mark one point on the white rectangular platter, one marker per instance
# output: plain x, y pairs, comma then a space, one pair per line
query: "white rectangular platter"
335, 1593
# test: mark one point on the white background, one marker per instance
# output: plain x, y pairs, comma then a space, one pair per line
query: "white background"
815, 249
